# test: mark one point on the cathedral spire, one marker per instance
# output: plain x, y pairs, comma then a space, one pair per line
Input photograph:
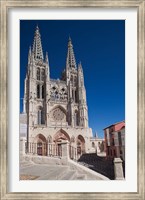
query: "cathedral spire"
37, 46
70, 61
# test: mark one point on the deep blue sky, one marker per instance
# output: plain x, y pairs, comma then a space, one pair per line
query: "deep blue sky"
100, 46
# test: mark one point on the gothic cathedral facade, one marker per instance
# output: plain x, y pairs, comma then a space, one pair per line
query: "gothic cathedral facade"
56, 110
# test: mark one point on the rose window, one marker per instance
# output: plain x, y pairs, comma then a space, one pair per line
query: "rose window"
58, 114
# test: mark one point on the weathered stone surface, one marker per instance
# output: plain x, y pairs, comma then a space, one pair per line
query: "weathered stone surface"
51, 171
118, 169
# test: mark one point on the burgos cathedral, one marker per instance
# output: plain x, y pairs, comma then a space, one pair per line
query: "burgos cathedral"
55, 110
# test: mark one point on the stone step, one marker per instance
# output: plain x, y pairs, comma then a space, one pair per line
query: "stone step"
53, 174
69, 175
38, 170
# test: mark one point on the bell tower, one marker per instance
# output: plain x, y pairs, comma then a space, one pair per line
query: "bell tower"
36, 84
76, 88
82, 98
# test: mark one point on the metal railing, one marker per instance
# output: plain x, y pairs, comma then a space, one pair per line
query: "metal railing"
44, 149
73, 154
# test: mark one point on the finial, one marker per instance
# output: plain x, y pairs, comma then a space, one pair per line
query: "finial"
29, 55
37, 28
30, 49
69, 41
46, 58
80, 65
32, 55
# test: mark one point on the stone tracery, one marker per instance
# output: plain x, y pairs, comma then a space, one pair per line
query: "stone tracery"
57, 93
58, 114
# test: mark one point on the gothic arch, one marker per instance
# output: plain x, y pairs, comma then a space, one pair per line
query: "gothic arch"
41, 144
38, 73
40, 115
60, 107
80, 145
40, 137
76, 117
81, 138
61, 135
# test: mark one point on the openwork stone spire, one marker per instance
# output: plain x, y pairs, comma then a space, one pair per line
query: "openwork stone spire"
37, 46
70, 61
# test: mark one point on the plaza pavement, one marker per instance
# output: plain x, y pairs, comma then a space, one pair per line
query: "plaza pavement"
53, 169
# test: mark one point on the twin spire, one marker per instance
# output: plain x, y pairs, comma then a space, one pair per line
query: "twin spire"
37, 46
70, 60
38, 51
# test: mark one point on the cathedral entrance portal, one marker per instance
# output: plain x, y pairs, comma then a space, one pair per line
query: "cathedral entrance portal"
80, 145
41, 145
60, 137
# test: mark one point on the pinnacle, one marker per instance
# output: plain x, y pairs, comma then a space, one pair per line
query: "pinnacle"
37, 46
70, 42
71, 62
46, 58
69, 39
80, 65
37, 28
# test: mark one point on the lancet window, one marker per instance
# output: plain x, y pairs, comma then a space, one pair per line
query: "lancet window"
38, 74
76, 118
40, 116
40, 91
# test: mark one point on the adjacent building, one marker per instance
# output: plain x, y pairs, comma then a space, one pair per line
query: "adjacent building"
115, 140
97, 146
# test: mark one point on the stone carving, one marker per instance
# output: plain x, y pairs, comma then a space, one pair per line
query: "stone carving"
58, 114
57, 93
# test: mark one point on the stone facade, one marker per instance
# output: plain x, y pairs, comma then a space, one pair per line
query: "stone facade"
55, 110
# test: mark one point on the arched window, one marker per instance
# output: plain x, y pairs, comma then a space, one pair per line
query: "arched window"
38, 91
41, 116
42, 91
42, 74
71, 79
75, 80
76, 99
76, 118
38, 73
93, 144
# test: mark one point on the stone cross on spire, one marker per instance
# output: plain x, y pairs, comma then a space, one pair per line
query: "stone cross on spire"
37, 46
70, 61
